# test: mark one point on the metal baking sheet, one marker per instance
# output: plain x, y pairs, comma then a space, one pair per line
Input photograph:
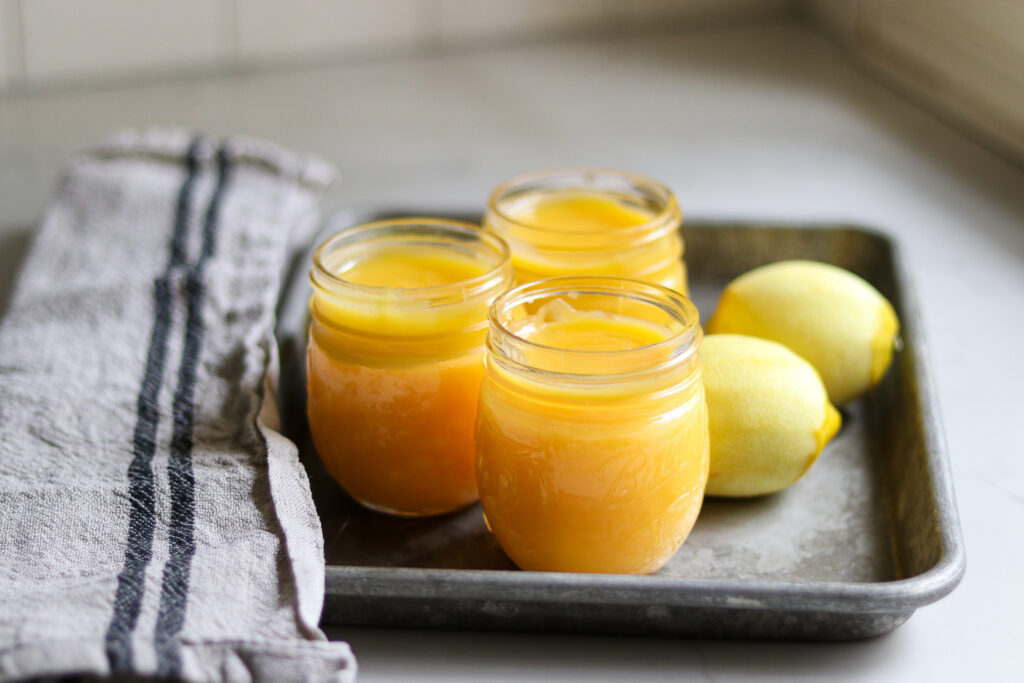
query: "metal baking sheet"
850, 551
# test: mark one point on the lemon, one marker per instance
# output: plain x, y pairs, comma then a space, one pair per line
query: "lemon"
768, 415
841, 324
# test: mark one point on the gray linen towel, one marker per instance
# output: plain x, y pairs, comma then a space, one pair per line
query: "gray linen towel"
152, 523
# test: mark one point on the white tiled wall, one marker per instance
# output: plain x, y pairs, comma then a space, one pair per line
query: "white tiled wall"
463, 21
8, 48
67, 40
3, 52
964, 58
646, 13
271, 29
50, 43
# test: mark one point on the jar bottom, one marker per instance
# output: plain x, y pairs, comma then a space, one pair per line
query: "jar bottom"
398, 440
412, 513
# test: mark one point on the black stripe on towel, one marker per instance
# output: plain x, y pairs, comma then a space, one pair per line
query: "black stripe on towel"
174, 591
141, 487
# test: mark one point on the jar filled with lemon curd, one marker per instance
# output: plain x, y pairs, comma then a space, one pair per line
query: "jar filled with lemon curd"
589, 222
395, 359
592, 433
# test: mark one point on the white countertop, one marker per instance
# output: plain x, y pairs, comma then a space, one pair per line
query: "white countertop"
758, 122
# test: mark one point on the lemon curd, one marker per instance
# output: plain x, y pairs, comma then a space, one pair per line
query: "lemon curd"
582, 212
395, 359
592, 433
590, 222
406, 266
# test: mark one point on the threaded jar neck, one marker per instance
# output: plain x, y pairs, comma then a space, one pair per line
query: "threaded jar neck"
513, 199
337, 253
666, 322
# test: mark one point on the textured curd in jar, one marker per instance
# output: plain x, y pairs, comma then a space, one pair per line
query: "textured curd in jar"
393, 388
568, 214
606, 478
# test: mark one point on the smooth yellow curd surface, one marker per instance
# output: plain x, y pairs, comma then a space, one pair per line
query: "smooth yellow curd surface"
607, 478
593, 331
579, 220
393, 385
407, 266
582, 212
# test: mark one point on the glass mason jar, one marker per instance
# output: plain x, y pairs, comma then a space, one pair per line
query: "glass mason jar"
589, 221
592, 433
395, 359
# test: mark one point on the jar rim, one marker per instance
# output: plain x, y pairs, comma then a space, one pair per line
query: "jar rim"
674, 350
669, 209
323, 278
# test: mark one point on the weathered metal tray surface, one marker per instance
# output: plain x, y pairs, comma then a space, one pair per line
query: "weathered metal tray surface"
850, 551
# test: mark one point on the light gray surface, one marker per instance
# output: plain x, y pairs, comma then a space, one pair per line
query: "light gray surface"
754, 122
